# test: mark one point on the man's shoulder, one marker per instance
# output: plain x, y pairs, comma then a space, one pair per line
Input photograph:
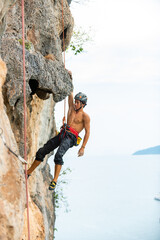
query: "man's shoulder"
86, 117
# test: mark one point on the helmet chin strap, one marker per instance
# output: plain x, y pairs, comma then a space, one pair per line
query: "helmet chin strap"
78, 108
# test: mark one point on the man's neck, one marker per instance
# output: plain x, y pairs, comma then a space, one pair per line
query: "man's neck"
79, 110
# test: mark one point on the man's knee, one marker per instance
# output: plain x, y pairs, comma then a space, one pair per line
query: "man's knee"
40, 155
40, 160
58, 159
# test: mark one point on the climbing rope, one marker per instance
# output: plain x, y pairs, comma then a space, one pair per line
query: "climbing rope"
5, 144
63, 48
25, 122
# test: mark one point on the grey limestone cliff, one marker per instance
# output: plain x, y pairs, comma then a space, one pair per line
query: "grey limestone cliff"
47, 82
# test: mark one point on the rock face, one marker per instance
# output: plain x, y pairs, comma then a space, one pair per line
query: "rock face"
4, 6
44, 75
12, 198
47, 82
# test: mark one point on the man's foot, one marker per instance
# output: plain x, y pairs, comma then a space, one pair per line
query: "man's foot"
52, 186
28, 175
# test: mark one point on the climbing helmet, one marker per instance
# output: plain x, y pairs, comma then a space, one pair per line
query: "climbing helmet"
81, 97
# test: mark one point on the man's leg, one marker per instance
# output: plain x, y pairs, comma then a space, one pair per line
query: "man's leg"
42, 152
64, 146
57, 172
33, 166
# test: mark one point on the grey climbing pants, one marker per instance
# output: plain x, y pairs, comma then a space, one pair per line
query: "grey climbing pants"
63, 141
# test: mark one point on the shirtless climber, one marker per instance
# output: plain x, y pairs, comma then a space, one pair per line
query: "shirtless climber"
77, 120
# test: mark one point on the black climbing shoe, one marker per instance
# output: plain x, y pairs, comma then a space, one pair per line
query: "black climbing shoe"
28, 175
52, 186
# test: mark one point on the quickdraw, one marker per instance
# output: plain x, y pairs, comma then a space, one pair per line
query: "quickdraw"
5, 144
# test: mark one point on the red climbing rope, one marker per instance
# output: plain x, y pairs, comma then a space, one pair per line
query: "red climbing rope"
63, 48
63, 34
25, 117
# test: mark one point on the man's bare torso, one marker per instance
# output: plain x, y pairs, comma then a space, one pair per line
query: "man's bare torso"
76, 120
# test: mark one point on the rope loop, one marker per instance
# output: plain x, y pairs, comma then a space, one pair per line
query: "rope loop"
63, 49
5, 144
25, 117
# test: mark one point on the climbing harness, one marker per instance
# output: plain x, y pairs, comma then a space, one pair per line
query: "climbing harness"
5, 144
67, 128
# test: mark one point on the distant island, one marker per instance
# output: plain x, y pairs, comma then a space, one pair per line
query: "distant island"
151, 150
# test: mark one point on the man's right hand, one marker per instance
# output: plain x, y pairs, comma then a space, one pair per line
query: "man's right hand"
70, 74
81, 152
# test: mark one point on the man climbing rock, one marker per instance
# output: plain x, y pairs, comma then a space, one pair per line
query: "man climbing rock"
77, 120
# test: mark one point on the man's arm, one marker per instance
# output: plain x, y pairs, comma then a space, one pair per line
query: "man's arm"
70, 97
86, 136
70, 101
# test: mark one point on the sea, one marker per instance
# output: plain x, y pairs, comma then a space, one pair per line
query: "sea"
109, 198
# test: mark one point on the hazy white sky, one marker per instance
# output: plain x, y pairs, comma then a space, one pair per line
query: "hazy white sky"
120, 73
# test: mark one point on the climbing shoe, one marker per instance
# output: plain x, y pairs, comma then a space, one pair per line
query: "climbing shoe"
28, 175
52, 185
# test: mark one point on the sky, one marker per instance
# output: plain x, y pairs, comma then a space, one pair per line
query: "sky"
120, 72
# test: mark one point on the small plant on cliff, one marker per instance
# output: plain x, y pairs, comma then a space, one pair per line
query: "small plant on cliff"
79, 38
28, 44
60, 198
80, 1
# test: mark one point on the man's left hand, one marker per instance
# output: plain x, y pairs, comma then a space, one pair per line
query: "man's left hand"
81, 152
